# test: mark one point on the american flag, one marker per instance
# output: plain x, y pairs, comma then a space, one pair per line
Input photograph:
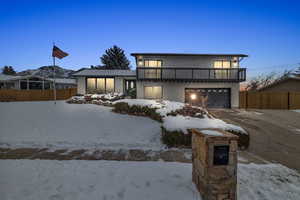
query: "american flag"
56, 52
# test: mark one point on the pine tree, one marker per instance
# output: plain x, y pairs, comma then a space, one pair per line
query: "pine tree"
115, 58
8, 70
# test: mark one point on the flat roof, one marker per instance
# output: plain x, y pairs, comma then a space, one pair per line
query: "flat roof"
186, 54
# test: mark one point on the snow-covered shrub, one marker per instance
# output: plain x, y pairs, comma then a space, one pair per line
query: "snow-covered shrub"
125, 108
191, 111
243, 141
105, 97
76, 100
176, 138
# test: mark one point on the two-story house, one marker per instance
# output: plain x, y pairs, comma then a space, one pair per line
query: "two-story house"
191, 78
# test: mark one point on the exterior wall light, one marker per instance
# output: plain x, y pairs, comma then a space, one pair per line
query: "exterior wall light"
193, 96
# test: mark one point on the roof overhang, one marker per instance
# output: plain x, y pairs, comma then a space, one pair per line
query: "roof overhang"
186, 54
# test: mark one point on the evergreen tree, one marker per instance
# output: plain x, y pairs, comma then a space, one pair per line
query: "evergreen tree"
8, 70
115, 58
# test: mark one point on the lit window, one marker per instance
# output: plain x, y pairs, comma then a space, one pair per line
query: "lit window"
153, 63
153, 92
110, 85
91, 85
222, 64
100, 85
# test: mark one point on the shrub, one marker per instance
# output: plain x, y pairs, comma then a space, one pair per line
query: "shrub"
176, 138
123, 107
132, 93
243, 141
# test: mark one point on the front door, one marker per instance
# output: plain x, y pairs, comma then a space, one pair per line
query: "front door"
129, 86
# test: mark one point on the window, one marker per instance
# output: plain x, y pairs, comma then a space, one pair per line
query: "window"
222, 64
110, 85
91, 85
153, 92
100, 85
152, 63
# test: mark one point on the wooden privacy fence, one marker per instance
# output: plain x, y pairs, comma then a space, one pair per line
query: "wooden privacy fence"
270, 100
35, 95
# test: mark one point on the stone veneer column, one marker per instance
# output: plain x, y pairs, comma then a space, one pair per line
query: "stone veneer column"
215, 178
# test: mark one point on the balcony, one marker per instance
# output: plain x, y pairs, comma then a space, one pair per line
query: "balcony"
191, 74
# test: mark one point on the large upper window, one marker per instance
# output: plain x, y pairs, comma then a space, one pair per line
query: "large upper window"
100, 85
222, 64
150, 63
153, 92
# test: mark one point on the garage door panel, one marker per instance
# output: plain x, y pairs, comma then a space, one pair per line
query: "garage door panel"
213, 97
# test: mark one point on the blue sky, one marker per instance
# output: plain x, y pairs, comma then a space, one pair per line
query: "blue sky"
269, 31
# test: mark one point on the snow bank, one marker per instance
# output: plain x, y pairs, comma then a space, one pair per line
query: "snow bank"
297, 111
181, 123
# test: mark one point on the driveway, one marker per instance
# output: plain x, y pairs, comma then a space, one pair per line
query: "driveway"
274, 134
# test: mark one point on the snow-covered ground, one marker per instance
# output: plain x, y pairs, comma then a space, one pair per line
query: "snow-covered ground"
182, 123
297, 111
106, 180
43, 124
179, 122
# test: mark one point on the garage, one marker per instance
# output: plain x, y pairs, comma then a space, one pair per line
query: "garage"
209, 97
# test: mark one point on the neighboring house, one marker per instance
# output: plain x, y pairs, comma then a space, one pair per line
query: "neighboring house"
211, 79
105, 81
288, 84
33, 82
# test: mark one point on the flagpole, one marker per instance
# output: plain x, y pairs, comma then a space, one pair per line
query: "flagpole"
54, 84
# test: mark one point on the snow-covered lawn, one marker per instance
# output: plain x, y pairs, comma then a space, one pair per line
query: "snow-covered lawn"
106, 180
43, 124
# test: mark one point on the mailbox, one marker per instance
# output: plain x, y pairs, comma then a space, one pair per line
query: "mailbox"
215, 163
221, 155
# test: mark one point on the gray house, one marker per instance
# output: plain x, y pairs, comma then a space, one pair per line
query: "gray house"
190, 77
186, 78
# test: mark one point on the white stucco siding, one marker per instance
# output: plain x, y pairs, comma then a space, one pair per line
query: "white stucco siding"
119, 84
188, 61
175, 91
81, 85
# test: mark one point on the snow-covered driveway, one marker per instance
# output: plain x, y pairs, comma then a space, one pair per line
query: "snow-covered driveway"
43, 124
107, 180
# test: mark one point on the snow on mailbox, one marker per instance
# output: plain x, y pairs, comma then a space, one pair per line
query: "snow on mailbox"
215, 163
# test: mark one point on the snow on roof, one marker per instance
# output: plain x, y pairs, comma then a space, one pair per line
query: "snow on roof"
106, 72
